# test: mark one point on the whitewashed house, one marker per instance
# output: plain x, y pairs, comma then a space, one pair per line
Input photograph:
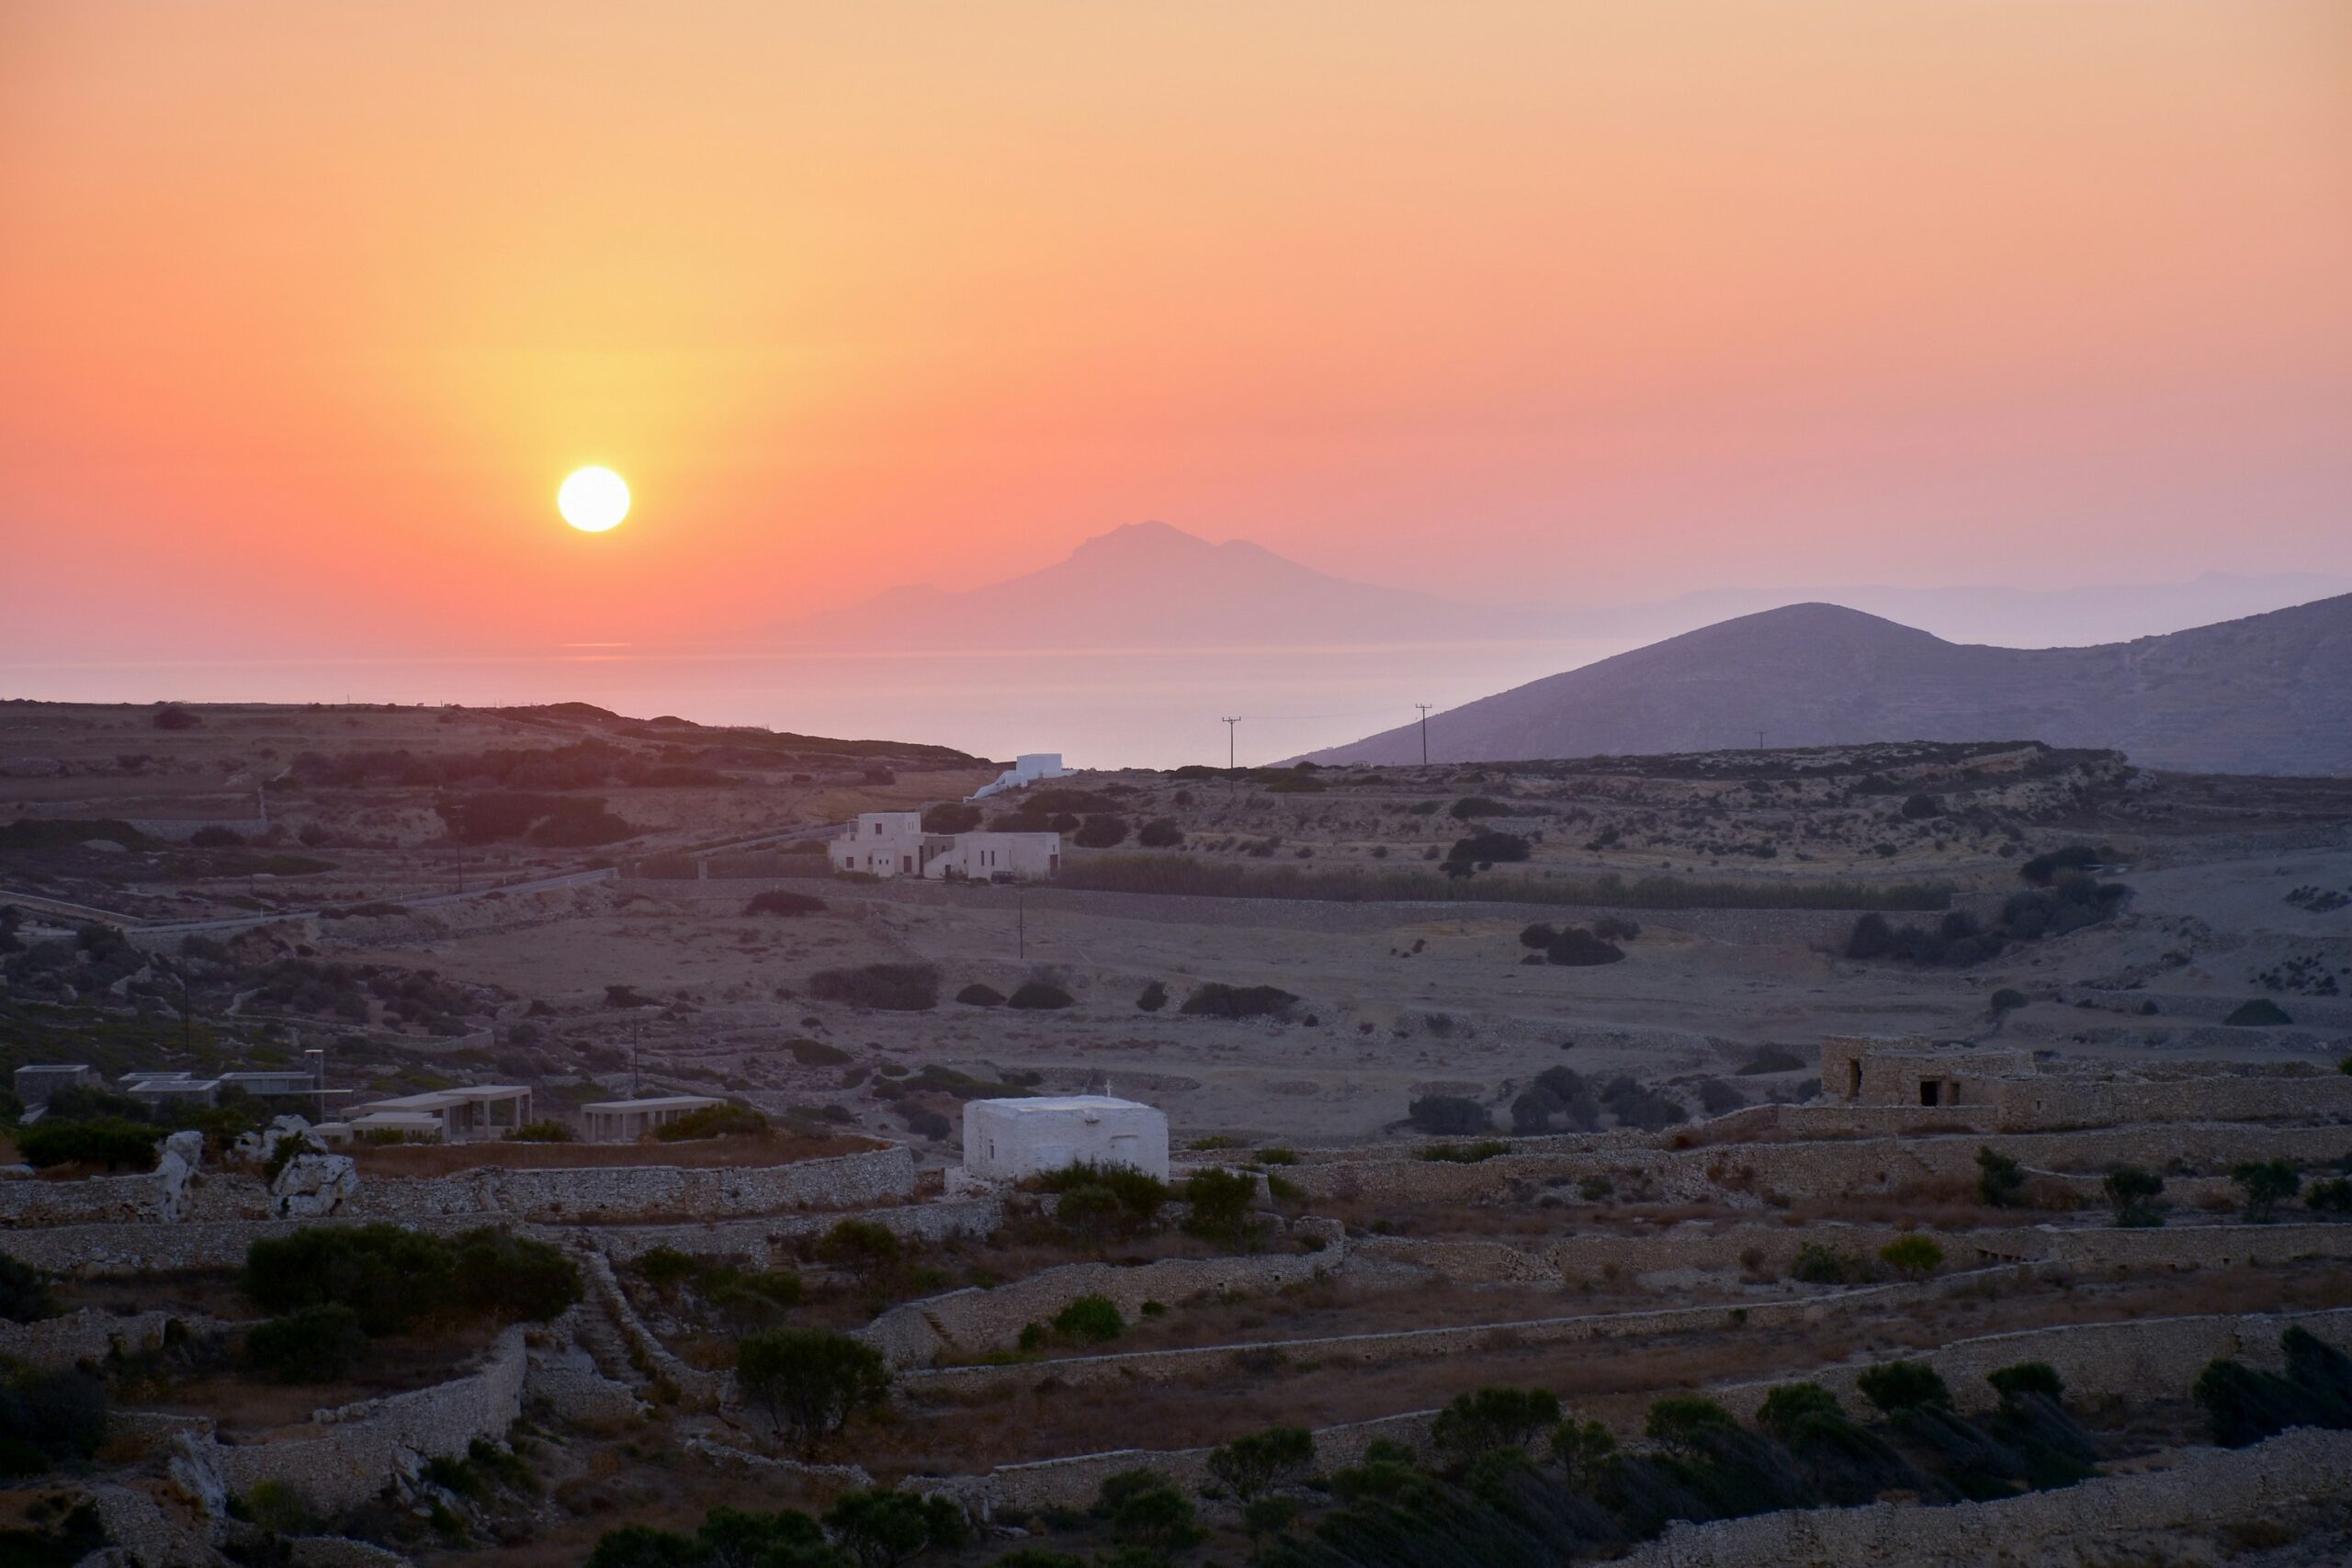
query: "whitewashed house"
892, 843
992, 857
884, 843
1026, 769
1009, 1139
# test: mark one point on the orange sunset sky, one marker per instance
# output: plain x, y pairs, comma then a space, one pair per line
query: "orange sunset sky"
306, 309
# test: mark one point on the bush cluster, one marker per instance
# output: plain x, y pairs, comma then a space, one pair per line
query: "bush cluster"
392, 1279
886, 987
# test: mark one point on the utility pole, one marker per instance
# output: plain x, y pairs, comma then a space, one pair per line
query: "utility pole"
1760, 741
1229, 723
636, 1042
1425, 731
1021, 922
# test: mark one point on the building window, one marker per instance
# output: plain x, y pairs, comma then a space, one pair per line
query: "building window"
1929, 1091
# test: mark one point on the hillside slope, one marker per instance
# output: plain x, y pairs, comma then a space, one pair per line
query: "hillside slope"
2267, 694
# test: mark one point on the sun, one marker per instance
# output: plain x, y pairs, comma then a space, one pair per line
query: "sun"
594, 500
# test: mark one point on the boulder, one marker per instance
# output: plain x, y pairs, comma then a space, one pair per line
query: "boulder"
312, 1187
176, 1174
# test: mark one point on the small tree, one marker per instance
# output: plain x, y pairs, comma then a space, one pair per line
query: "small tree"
1153, 996
1264, 1517
1581, 1447
2012, 1383
1785, 1408
1156, 1519
1915, 1256
317, 1344
1895, 1386
884, 1528
1249, 1466
1683, 1422
810, 1381
2267, 1184
2132, 1192
1493, 1418
2000, 1181
1218, 1200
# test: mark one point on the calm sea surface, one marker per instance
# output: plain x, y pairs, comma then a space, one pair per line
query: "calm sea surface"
1109, 708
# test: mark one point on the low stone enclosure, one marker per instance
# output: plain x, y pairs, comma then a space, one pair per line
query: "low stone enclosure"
602, 1360
2099, 1362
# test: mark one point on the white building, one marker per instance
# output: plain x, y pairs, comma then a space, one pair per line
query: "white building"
884, 843
892, 843
35, 1082
992, 857
1009, 1139
626, 1121
1026, 769
461, 1115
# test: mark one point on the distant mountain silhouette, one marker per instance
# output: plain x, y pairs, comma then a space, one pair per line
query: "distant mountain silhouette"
2268, 693
1150, 585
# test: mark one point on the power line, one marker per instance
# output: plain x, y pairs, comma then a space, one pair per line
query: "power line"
1425, 730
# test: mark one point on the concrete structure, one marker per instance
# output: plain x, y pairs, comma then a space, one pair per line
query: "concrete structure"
1877, 1069
1009, 1139
626, 1121
996, 857
273, 1080
885, 843
35, 1084
171, 1089
892, 844
464, 1115
1026, 769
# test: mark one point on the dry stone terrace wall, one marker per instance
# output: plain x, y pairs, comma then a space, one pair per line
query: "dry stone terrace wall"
2204, 1488
90, 1334
36, 1200
1826, 1169
348, 1455
916, 1333
611, 1194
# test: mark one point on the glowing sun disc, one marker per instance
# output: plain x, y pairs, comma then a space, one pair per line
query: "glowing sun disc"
594, 500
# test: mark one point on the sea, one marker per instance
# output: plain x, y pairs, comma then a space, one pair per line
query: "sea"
1099, 707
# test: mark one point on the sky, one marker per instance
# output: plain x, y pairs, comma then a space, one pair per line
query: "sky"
306, 310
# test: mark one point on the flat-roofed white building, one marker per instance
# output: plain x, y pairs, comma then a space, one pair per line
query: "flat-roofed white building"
626, 1121
1009, 1139
476, 1111
35, 1082
1026, 769
998, 857
884, 843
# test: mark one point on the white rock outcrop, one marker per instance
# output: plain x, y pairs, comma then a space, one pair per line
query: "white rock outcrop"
310, 1187
178, 1168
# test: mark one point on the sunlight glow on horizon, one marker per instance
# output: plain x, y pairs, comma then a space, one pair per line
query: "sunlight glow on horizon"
1520, 300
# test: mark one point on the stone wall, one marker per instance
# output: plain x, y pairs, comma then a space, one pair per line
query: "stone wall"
348, 1455
90, 1334
916, 1334
610, 1194
2204, 1488
35, 1200
768, 1237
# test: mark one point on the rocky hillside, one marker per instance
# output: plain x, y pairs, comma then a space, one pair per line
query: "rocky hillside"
2270, 693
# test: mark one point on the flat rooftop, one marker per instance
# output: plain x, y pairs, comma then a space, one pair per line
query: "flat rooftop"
1056, 1105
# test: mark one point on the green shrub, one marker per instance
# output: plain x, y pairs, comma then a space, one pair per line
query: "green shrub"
392, 1277
1138, 1193
111, 1140
2026, 1377
1580, 949
24, 1295
815, 1053
1465, 1154
1683, 1421
2132, 1193
1218, 1200
1478, 806
1155, 1520
2000, 1181
1100, 831
810, 1381
316, 1344
1160, 833
1038, 994
1095, 1319
862, 1246
951, 819
1903, 1385
1787, 1406
886, 987
776, 901
1215, 999
1493, 1417
1153, 996
2007, 1000
884, 1528
51, 1417
543, 1132
1818, 1263
2267, 1184
1913, 1254
512, 1278
713, 1122
976, 995
1257, 1463
2259, 1013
